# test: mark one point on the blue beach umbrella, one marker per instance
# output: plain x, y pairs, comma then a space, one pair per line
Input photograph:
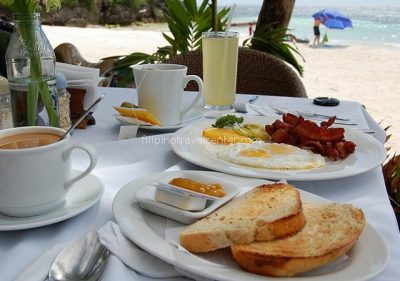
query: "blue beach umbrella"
333, 19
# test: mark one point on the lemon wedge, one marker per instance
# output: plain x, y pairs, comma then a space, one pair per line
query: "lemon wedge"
225, 136
138, 113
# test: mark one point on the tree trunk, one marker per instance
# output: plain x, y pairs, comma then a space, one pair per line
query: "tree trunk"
276, 13
214, 6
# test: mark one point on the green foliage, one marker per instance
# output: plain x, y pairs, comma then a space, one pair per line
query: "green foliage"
29, 6
29, 37
89, 4
228, 121
6, 3
186, 22
135, 58
271, 41
129, 3
68, 3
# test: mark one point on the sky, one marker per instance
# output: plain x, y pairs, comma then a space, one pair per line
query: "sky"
336, 3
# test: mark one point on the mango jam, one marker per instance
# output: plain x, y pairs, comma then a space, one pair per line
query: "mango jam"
214, 189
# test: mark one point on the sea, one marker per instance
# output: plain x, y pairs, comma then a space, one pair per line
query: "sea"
371, 25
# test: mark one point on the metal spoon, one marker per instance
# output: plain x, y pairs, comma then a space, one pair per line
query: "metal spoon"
86, 112
83, 259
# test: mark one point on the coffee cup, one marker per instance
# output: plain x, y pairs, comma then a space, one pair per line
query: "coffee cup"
35, 169
160, 90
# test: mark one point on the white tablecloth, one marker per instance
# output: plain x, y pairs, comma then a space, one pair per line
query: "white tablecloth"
123, 161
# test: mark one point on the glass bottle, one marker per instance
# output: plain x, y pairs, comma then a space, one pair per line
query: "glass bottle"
30, 64
6, 120
64, 98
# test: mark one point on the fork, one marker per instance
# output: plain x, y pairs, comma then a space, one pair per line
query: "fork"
241, 106
282, 110
261, 110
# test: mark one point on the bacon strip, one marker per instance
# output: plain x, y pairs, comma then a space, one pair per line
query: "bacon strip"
321, 139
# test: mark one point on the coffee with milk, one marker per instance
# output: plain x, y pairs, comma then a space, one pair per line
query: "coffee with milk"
27, 140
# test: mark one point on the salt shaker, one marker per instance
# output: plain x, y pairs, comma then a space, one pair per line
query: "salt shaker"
64, 98
6, 119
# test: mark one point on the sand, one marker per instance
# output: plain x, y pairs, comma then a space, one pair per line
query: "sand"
365, 73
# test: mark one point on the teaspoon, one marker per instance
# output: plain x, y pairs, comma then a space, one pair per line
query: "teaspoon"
83, 259
86, 112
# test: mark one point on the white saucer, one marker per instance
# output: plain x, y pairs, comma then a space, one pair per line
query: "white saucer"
192, 115
82, 195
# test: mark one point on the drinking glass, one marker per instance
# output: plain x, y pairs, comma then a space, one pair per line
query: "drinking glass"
220, 55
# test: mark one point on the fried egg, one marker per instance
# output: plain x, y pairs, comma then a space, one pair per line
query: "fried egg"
271, 156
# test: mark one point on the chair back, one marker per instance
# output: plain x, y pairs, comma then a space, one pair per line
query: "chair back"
69, 53
258, 73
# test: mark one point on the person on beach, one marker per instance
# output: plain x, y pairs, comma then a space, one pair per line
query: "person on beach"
317, 33
250, 28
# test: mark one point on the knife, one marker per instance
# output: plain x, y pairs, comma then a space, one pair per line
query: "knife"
263, 112
282, 110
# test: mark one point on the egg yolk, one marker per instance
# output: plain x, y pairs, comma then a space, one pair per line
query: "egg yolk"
280, 149
255, 152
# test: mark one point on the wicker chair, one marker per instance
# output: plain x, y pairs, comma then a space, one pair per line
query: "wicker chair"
259, 73
69, 53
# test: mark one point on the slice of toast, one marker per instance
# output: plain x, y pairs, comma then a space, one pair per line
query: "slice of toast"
330, 231
264, 213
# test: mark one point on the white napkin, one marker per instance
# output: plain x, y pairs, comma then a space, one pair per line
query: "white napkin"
111, 237
76, 72
39, 269
127, 132
79, 77
137, 259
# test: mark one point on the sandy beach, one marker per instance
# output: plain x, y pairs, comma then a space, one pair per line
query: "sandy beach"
364, 73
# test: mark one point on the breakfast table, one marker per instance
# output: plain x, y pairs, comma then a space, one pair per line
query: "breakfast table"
124, 156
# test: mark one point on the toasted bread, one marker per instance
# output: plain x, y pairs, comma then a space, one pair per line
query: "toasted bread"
330, 231
264, 213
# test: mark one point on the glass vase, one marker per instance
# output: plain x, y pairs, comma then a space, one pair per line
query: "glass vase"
30, 64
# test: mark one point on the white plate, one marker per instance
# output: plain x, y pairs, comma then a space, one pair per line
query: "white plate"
192, 115
189, 144
145, 196
368, 257
82, 195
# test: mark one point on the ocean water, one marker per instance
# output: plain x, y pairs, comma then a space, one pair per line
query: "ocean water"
371, 25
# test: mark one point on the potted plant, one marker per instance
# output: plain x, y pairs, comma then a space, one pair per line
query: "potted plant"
30, 63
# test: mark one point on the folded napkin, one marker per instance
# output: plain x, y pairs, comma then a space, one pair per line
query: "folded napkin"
84, 78
127, 132
76, 72
142, 262
122, 248
38, 270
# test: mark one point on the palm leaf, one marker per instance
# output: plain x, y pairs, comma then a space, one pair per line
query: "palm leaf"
271, 41
191, 7
178, 13
186, 23
132, 59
